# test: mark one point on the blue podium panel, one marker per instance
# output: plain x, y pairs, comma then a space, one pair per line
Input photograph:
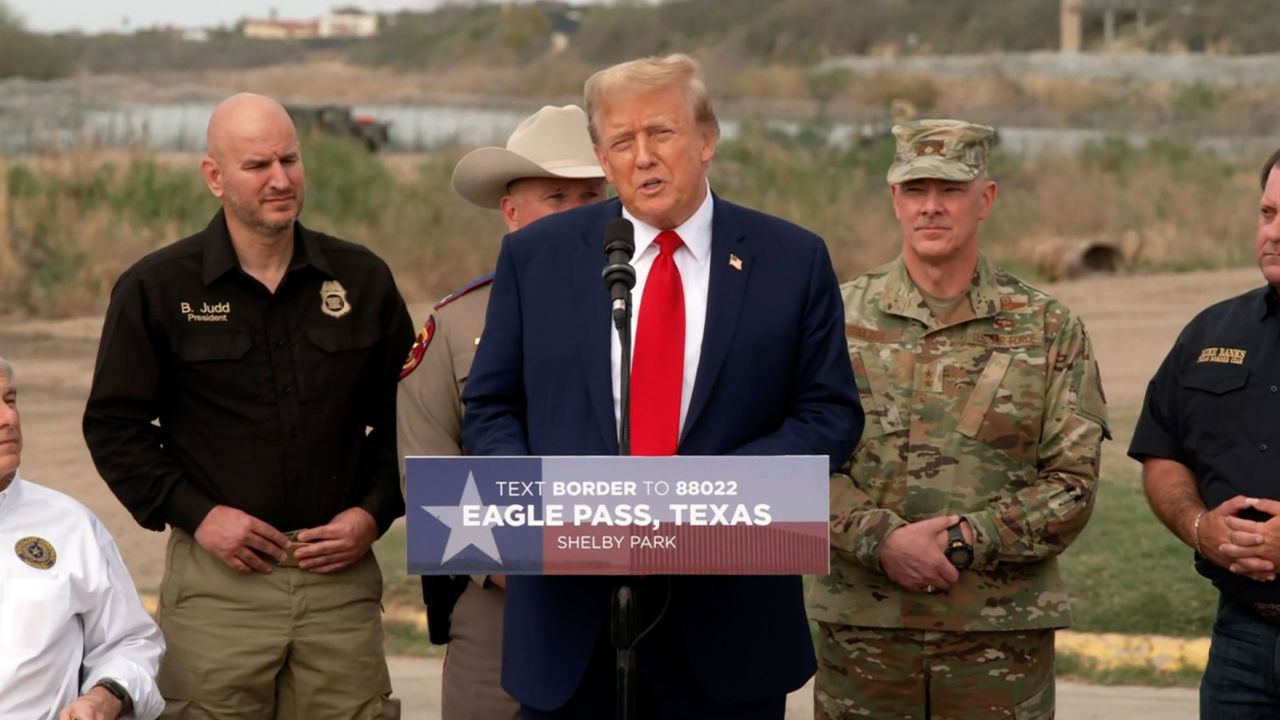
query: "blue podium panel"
617, 515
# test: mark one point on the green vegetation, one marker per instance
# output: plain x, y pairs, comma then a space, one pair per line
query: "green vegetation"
1127, 573
458, 34
67, 218
25, 54
760, 31
805, 31
399, 588
165, 50
1239, 26
74, 222
401, 592
758, 53
745, 33
1083, 669
403, 638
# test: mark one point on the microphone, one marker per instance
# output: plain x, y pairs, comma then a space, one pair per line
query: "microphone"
619, 276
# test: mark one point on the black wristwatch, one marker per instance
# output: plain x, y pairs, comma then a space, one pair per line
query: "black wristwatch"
959, 551
121, 694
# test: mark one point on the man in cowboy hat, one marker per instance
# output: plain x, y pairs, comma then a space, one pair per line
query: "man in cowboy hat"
547, 166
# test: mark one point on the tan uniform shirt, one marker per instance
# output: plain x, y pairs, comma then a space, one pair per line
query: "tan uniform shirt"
429, 399
429, 422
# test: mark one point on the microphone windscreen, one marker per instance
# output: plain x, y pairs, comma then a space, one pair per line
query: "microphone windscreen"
620, 235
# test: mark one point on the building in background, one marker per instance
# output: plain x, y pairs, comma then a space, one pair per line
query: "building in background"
273, 28
348, 22
342, 23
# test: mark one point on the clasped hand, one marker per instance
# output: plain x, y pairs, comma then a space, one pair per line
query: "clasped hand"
1246, 547
241, 541
913, 555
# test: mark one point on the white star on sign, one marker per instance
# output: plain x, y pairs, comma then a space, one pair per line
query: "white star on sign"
460, 535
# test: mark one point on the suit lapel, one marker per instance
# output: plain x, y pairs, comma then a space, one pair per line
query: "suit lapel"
590, 316
725, 292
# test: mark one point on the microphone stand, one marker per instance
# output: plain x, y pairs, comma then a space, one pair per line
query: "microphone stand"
625, 605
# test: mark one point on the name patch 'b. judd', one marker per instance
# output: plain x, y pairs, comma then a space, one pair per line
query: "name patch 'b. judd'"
207, 312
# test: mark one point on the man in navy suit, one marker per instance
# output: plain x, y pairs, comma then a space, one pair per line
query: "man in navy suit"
739, 349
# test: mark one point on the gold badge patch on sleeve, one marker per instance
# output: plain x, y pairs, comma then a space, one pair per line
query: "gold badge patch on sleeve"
36, 552
333, 299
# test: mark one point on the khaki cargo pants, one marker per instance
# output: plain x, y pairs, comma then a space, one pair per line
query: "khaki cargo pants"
288, 644
927, 675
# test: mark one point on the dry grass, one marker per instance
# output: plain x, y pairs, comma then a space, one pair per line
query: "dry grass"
1166, 212
69, 224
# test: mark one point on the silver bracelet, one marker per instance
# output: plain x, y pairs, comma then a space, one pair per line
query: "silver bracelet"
1195, 531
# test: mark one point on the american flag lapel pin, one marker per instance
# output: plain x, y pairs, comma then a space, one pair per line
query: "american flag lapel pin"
735, 262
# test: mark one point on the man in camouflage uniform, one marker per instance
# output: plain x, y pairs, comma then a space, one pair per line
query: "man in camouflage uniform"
978, 465
547, 166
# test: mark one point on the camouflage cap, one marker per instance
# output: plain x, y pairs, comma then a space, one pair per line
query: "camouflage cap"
941, 149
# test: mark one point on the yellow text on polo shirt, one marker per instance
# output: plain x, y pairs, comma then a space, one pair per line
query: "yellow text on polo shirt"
1234, 356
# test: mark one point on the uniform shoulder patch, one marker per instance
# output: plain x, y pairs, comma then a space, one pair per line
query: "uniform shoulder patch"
470, 287
419, 347
420, 344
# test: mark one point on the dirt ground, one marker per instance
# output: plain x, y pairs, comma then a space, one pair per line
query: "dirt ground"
1133, 321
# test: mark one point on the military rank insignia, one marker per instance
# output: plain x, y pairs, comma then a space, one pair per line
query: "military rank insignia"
333, 299
36, 552
930, 147
419, 348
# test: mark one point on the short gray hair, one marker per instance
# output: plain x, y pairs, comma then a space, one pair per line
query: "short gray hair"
6, 368
650, 73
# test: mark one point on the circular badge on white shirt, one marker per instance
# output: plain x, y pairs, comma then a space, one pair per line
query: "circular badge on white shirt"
36, 552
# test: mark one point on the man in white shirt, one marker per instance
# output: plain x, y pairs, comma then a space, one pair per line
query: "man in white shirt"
75, 641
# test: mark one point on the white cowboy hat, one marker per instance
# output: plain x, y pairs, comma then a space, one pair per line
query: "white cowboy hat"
552, 142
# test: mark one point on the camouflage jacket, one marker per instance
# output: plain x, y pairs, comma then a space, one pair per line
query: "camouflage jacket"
997, 416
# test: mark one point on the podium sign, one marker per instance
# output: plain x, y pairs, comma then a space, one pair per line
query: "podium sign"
618, 515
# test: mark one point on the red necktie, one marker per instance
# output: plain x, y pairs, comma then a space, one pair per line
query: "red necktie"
657, 370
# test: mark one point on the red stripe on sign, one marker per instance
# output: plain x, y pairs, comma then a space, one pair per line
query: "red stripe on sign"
781, 548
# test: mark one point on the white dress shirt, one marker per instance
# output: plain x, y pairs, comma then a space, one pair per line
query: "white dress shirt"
64, 628
693, 259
